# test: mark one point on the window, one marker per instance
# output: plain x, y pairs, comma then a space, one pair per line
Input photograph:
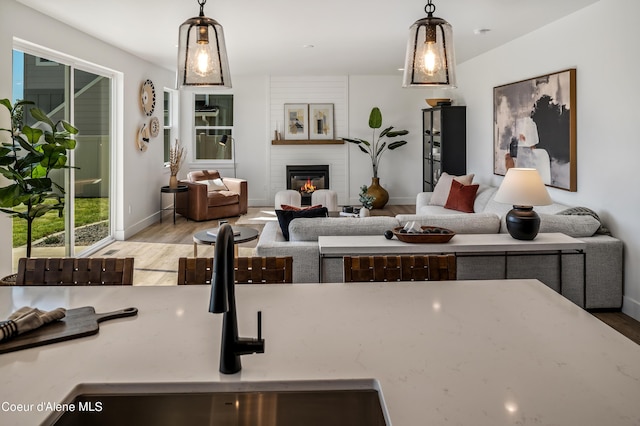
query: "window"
170, 121
213, 119
70, 89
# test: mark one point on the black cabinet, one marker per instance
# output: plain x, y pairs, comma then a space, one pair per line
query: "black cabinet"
444, 149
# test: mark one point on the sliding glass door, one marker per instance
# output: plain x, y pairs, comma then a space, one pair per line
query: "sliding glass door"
84, 98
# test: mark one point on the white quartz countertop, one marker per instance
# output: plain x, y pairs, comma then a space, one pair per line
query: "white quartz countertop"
506, 352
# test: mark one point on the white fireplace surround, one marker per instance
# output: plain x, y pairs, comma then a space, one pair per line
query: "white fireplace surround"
307, 90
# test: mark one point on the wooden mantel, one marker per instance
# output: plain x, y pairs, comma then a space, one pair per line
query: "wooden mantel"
307, 142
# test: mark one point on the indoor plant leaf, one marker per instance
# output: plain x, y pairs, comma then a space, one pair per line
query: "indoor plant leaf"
33, 135
375, 118
397, 144
69, 127
397, 133
39, 115
386, 131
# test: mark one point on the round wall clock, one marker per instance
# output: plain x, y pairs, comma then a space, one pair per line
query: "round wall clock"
148, 97
154, 126
142, 141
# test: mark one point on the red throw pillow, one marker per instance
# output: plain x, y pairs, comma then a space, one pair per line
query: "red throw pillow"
287, 207
461, 197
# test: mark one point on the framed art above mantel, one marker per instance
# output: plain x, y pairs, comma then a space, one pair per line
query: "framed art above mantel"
534, 124
296, 121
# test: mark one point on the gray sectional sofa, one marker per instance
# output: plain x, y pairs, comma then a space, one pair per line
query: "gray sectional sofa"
604, 267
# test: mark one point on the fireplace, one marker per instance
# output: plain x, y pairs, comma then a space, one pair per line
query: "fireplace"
308, 178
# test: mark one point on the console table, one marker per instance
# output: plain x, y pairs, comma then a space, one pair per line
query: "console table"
333, 248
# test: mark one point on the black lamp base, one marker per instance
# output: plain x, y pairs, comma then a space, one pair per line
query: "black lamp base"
523, 223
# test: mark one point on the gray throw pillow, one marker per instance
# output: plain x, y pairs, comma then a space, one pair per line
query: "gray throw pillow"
584, 211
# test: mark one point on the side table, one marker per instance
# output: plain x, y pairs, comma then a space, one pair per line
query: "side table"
168, 190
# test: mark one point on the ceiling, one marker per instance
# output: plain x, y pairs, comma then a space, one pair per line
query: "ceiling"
269, 37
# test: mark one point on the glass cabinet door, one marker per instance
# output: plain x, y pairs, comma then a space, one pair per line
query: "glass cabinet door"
427, 144
436, 137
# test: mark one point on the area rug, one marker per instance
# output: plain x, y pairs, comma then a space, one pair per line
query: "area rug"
257, 216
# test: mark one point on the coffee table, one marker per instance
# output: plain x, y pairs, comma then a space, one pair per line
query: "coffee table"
246, 234
333, 248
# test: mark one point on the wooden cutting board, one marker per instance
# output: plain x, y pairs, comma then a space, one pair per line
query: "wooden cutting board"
78, 322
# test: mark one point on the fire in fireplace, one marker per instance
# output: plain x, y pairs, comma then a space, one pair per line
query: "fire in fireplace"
306, 179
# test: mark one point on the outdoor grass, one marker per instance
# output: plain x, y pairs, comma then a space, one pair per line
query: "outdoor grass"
87, 211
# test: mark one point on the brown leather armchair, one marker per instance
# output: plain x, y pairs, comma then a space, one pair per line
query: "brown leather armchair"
204, 203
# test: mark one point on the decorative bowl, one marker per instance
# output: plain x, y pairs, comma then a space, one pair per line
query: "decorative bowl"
435, 235
433, 102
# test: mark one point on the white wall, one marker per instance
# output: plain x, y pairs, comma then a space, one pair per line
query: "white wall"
250, 94
600, 42
143, 172
400, 170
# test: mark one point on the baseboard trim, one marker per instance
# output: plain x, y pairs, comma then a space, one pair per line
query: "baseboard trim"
631, 307
127, 233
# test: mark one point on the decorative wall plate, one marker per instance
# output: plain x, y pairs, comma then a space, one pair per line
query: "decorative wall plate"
154, 126
148, 98
143, 138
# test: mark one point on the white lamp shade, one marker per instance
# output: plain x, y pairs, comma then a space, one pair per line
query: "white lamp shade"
430, 63
523, 187
202, 54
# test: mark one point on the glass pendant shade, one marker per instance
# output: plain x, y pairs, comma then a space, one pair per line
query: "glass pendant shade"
430, 59
202, 55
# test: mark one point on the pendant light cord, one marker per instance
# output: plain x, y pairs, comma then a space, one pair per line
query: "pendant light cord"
202, 3
430, 8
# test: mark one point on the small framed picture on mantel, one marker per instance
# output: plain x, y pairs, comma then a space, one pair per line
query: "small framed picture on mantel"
296, 121
321, 121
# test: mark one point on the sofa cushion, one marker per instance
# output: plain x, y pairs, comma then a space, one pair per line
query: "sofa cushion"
286, 216
573, 226
311, 229
461, 197
443, 187
484, 194
222, 198
461, 223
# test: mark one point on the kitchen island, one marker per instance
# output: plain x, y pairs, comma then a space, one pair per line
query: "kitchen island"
500, 352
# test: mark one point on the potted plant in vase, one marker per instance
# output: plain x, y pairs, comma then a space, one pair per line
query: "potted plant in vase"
27, 157
176, 158
375, 150
366, 200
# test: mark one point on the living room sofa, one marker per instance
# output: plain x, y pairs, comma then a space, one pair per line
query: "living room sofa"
604, 267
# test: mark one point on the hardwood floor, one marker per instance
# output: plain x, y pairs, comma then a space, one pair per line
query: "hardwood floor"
157, 248
621, 322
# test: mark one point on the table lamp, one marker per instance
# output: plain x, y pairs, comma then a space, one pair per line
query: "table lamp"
523, 188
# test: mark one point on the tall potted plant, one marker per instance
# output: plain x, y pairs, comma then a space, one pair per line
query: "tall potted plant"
27, 157
375, 150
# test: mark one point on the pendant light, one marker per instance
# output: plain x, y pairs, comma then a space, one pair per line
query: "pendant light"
430, 60
202, 55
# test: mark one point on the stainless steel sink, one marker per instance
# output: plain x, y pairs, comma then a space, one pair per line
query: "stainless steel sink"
309, 403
